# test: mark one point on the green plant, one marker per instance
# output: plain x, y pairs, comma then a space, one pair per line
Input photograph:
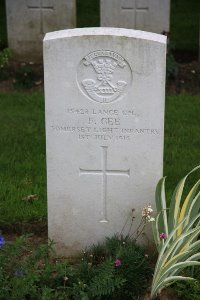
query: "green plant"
171, 66
5, 55
30, 273
176, 234
115, 269
25, 77
130, 264
189, 290
95, 281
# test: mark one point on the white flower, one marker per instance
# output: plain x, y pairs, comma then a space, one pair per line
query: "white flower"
146, 213
151, 220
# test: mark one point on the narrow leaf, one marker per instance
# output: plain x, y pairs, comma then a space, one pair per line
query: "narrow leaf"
161, 205
186, 204
175, 201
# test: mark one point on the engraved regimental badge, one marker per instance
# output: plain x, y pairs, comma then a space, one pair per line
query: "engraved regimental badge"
104, 76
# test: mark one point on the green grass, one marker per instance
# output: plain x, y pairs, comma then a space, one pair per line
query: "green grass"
22, 150
182, 141
22, 157
182, 137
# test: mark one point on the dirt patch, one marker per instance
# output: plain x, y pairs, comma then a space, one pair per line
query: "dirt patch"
167, 294
33, 239
26, 77
12, 230
187, 79
29, 78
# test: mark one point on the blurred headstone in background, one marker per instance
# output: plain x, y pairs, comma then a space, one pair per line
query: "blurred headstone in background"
147, 15
29, 20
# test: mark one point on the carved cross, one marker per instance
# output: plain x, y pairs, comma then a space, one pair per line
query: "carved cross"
139, 8
104, 172
41, 6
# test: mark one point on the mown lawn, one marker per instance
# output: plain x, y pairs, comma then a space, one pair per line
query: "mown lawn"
182, 138
22, 157
22, 151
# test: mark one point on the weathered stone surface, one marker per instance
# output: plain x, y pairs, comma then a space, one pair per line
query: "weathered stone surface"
147, 15
29, 20
104, 94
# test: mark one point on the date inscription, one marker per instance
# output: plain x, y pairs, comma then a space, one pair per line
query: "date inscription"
103, 124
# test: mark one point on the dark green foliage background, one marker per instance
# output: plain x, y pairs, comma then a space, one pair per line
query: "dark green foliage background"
185, 22
3, 30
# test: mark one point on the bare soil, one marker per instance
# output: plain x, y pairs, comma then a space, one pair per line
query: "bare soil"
187, 79
167, 294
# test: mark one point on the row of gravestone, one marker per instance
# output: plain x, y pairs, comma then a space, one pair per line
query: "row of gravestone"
29, 20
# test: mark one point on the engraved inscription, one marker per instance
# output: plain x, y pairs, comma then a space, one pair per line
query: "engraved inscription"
41, 6
105, 124
103, 76
138, 9
104, 172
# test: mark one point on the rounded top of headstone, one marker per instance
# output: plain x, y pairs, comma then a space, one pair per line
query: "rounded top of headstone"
106, 31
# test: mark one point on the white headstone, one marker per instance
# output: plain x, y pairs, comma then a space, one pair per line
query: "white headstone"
29, 20
104, 94
147, 15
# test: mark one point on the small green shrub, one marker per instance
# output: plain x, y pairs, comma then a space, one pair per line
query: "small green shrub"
5, 55
131, 264
116, 269
189, 290
171, 66
25, 77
